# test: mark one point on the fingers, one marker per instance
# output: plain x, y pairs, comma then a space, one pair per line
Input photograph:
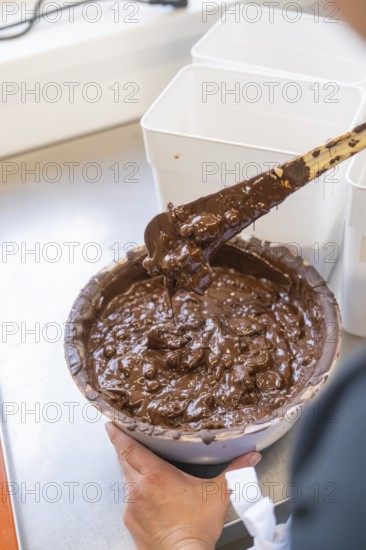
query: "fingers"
132, 454
129, 472
244, 461
136, 459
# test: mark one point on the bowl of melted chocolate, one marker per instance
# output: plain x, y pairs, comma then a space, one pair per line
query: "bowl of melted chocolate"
205, 378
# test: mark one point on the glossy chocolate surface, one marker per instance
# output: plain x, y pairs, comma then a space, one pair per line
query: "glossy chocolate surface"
224, 359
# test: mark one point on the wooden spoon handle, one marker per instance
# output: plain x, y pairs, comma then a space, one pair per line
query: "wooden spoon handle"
330, 154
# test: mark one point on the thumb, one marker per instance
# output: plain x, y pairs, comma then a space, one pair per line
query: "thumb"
244, 461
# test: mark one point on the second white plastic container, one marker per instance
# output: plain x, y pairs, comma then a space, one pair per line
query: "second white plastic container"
353, 301
211, 128
283, 41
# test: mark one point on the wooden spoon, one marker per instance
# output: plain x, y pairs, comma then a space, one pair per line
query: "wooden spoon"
181, 241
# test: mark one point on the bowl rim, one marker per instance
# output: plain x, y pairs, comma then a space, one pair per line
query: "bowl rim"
87, 302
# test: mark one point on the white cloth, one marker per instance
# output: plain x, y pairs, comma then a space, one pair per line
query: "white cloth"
256, 511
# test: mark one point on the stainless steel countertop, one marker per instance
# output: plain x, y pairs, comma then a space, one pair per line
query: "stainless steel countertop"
64, 469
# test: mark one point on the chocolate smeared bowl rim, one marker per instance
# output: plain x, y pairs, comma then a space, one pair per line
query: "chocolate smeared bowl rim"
108, 282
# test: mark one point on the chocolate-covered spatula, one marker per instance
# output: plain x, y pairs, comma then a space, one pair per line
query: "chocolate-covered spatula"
181, 241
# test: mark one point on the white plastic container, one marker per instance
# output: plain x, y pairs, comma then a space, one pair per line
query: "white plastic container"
200, 137
280, 41
353, 301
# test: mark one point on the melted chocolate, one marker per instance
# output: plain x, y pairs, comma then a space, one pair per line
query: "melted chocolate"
231, 356
181, 241
254, 258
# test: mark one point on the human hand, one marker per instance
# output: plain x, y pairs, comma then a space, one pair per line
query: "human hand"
172, 510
